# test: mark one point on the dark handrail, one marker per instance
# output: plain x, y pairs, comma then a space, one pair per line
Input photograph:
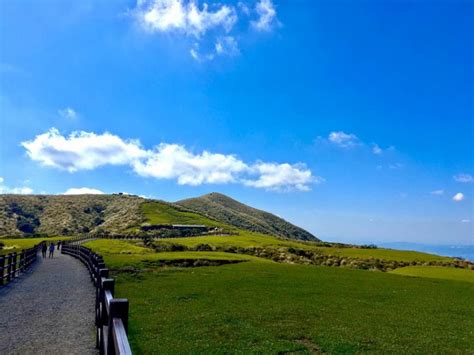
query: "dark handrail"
111, 314
14, 264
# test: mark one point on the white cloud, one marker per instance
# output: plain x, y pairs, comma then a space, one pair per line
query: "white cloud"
68, 113
226, 45
463, 178
210, 24
183, 16
344, 140
86, 151
458, 197
82, 191
465, 221
376, 149
23, 190
437, 192
266, 15
81, 150
173, 161
280, 177
186, 17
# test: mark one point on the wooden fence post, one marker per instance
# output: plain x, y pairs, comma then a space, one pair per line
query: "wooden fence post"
22, 260
2, 268
118, 308
9, 267
15, 268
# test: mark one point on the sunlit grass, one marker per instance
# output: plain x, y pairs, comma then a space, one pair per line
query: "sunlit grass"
437, 272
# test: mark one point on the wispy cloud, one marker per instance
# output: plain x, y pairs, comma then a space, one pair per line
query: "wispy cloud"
210, 26
344, 140
463, 178
458, 197
465, 220
437, 192
23, 190
68, 113
267, 16
87, 151
396, 166
82, 191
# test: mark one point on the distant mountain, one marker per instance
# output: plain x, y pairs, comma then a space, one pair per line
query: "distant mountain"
232, 212
118, 213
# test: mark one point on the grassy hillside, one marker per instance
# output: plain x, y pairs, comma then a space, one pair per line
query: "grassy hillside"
156, 212
259, 306
67, 215
49, 215
232, 212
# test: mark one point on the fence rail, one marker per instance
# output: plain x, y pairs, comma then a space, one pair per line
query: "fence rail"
13, 264
111, 314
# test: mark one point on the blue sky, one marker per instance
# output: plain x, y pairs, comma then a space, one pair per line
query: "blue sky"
353, 119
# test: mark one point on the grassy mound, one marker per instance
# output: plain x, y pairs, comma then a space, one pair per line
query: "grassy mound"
234, 213
437, 272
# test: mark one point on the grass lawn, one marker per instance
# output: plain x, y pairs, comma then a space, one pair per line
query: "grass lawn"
260, 306
17, 244
160, 213
119, 254
248, 239
437, 272
273, 308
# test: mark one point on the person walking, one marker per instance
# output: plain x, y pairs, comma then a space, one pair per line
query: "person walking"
44, 249
51, 250
59, 245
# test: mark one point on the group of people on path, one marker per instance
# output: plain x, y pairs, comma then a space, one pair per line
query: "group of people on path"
51, 248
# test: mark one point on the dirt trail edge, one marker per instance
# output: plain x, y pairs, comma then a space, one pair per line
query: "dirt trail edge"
50, 310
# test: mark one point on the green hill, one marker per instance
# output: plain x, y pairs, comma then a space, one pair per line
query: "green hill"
232, 212
28, 215
66, 215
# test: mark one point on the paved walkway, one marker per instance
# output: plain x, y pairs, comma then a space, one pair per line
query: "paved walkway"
49, 310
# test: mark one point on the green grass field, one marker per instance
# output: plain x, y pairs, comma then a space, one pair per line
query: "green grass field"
119, 254
160, 213
17, 244
436, 272
259, 306
247, 239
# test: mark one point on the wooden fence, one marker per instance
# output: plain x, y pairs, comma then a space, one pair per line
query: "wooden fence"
111, 314
13, 264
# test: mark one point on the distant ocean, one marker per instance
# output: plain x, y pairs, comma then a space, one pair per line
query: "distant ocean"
461, 251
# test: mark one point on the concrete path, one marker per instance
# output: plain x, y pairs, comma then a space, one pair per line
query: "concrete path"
49, 310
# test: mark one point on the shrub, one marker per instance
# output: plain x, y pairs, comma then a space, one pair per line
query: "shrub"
203, 247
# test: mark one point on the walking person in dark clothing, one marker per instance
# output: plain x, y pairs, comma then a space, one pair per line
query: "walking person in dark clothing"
59, 245
44, 249
51, 250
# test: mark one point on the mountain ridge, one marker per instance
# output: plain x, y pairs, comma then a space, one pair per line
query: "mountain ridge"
233, 212
22, 215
